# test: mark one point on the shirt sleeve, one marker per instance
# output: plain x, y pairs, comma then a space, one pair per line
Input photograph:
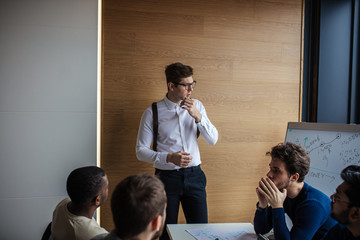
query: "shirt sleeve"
262, 221
207, 130
310, 216
144, 141
280, 229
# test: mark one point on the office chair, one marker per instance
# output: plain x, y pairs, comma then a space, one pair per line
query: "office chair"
47, 233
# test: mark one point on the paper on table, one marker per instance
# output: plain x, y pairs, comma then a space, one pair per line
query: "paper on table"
211, 233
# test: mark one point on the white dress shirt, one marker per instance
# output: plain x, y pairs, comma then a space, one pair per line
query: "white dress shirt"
177, 131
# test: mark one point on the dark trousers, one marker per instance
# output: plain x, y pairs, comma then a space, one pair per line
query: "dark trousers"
186, 185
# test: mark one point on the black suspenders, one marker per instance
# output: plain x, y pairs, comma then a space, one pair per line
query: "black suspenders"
156, 125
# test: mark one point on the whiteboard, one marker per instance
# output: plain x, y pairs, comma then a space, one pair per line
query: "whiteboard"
331, 148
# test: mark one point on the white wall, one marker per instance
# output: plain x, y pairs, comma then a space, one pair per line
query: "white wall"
48, 51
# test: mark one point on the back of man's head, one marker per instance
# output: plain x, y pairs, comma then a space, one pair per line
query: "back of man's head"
351, 175
294, 156
135, 202
85, 184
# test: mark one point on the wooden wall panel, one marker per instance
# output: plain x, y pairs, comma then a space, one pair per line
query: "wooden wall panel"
246, 56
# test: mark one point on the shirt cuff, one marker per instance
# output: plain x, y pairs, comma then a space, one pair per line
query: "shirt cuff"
259, 208
163, 157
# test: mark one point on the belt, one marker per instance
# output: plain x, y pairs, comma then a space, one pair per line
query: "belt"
189, 169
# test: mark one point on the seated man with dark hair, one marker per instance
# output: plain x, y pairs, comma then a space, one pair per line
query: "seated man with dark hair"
87, 188
345, 206
138, 206
284, 191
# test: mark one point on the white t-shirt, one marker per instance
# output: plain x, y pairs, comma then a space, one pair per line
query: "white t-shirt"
67, 226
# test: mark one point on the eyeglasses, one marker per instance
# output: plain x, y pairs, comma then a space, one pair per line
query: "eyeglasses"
335, 198
187, 85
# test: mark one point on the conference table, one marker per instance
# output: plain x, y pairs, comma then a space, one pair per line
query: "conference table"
212, 231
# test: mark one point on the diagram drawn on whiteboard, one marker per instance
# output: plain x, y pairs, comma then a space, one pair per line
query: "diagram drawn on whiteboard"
331, 148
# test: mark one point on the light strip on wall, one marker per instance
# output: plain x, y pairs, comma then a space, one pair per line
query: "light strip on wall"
98, 111
98, 107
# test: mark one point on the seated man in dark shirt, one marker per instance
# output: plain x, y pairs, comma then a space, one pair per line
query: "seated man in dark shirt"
284, 191
345, 206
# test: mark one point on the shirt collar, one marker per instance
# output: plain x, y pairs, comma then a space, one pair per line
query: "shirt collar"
170, 105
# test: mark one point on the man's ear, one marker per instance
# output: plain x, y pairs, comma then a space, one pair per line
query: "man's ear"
171, 86
355, 214
98, 200
295, 177
156, 223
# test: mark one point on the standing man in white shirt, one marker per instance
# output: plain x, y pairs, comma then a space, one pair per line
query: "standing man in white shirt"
176, 156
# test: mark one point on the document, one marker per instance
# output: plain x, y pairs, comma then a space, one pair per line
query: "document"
212, 233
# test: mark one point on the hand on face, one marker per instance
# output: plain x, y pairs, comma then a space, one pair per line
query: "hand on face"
263, 203
268, 190
190, 106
